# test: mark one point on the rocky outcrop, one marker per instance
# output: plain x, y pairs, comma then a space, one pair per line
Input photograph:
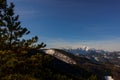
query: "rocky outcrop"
60, 56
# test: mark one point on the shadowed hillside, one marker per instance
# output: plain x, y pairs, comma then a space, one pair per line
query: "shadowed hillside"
39, 67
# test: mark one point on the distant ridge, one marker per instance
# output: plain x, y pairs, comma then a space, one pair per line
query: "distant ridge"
93, 61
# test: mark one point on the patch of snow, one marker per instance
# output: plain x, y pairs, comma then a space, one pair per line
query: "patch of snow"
60, 56
108, 78
96, 58
49, 51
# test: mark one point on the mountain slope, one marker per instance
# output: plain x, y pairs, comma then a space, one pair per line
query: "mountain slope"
98, 56
100, 69
40, 67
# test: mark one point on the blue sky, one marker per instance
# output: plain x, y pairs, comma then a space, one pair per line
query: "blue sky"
72, 23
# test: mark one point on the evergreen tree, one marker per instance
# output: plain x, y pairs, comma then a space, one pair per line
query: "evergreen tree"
11, 32
2, 29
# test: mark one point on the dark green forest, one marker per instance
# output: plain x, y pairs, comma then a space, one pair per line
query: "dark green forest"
36, 67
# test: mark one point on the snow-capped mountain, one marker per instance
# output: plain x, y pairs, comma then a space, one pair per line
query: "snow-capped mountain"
97, 55
92, 59
79, 61
84, 50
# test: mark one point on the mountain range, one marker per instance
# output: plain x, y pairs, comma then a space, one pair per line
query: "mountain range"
98, 56
99, 62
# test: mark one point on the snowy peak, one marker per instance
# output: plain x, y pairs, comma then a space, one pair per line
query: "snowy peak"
84, 50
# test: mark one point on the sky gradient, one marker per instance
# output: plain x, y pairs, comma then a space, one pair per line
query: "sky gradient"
72, 23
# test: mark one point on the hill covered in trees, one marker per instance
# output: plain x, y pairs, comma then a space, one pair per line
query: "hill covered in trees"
99, 69
39, 67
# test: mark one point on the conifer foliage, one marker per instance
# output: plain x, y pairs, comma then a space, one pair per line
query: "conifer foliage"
11, 31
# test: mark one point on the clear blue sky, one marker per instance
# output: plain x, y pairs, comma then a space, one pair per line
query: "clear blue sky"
72, 23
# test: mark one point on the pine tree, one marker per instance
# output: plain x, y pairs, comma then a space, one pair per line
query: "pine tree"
11, 32
2, 29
